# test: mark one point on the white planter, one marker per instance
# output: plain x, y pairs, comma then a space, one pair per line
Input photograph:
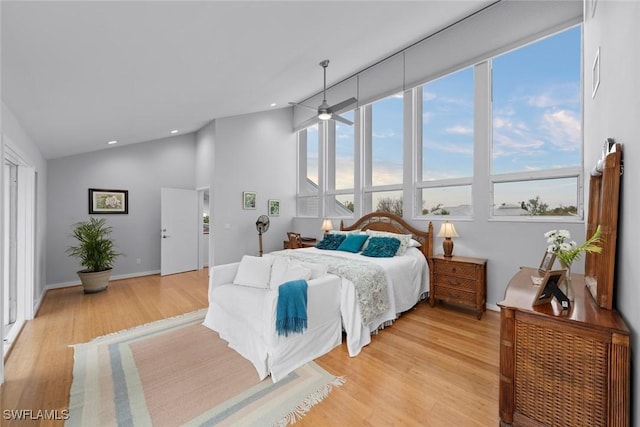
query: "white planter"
94, 281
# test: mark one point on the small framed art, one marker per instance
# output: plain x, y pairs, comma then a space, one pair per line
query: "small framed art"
108, 201
249, 199
547, 262
548, 287
274, 207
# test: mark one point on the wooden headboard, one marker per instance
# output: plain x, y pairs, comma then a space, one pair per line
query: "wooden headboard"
383, 221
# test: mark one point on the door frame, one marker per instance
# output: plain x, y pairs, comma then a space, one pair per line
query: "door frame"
26, 226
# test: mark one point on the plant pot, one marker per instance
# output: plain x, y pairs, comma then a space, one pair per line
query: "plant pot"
94, 281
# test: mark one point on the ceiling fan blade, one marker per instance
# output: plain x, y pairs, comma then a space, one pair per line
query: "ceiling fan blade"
340, 106
338, 118
307, 123
302, 105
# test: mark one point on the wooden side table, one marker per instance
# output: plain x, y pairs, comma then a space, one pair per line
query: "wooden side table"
302, 244
459, 280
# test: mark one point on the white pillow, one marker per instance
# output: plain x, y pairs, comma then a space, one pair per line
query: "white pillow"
413, 243
295, 272
404, 239
253, 271
278, 270
317, 270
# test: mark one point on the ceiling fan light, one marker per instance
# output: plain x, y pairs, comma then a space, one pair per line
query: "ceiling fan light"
324, 115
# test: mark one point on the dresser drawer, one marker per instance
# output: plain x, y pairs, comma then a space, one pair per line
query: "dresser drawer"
456, 282
455, 295
456, 269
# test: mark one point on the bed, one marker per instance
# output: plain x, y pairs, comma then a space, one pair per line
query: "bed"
406, 276
244, 314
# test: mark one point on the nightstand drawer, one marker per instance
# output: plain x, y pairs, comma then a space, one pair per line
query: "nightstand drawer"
457, 269
456, 282
455, 295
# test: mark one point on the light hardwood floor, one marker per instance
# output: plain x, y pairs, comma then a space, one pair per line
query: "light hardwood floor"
433, 367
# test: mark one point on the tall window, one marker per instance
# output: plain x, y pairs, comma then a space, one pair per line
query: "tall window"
384, 168
341, 168
446, 167
537, 128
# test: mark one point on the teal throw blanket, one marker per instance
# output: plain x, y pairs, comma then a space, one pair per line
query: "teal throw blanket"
291, 316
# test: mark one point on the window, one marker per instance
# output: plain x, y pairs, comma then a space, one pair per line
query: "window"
445, 165
341, 167
386, 141
383, 140
537, 127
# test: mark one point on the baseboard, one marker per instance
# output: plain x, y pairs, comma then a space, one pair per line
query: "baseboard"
116, 277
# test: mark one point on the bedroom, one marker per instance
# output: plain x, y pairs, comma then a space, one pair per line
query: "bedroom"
611, 114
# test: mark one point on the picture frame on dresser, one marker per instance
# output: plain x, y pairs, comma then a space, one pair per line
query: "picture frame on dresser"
547, 288
547, 262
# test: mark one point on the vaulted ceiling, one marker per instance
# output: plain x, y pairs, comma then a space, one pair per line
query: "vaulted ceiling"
77, 74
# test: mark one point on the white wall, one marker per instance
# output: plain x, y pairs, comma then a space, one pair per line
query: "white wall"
16, 135
614, 113
253, 152
142, 169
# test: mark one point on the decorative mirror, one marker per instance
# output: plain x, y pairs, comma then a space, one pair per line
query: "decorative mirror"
604, 197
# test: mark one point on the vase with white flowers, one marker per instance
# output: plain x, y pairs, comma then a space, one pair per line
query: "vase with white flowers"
567, 251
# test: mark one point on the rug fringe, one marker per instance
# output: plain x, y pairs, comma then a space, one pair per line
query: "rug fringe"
195, 314
309, 402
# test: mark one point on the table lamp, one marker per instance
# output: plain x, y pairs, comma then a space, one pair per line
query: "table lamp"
327, 225
447, 230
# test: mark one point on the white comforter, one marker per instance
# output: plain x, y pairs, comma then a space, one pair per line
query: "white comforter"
407, 280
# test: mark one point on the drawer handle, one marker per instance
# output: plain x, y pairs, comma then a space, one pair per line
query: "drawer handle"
453, 269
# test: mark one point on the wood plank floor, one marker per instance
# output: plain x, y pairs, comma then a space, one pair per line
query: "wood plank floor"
433, 367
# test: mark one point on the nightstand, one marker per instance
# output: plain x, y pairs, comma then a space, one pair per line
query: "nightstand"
459, 280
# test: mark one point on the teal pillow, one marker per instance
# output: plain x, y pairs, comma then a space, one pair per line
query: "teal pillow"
331, 241
353, 243
381, 247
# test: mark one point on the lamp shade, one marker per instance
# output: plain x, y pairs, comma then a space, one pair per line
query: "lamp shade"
327, 225
447, 230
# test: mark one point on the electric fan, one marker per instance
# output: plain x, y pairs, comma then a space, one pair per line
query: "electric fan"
262, 225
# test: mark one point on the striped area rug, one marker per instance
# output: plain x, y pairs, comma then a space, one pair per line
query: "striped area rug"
178, 372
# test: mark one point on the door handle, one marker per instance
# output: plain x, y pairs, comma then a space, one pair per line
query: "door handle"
164, 236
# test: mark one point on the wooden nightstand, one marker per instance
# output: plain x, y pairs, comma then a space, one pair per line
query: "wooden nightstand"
459, 280
303, 244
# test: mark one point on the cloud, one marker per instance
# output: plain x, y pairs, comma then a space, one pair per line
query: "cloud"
384, 134
460, 130
563, 128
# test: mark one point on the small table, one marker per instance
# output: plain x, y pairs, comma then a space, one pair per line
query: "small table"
459, 280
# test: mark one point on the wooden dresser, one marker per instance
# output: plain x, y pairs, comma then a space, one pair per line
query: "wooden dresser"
561, 368
459, 280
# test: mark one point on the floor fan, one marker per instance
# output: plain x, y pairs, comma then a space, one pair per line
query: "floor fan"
262, 225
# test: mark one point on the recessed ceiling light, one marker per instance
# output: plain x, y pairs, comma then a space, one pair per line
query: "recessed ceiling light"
273, 104
174, 131
112, 142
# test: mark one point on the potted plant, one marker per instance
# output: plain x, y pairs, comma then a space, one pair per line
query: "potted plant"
96, 252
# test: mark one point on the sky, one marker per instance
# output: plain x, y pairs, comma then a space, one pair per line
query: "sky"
536, 119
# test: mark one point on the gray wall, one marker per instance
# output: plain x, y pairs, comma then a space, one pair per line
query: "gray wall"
614, 113
253, 152
142, 169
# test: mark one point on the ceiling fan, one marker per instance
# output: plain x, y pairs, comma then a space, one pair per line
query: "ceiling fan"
324, 110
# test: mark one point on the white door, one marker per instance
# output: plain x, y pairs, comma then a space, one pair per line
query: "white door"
179, 222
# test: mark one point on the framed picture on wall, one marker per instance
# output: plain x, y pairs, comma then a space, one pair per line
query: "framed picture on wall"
249, 199
108, 201
274, 207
